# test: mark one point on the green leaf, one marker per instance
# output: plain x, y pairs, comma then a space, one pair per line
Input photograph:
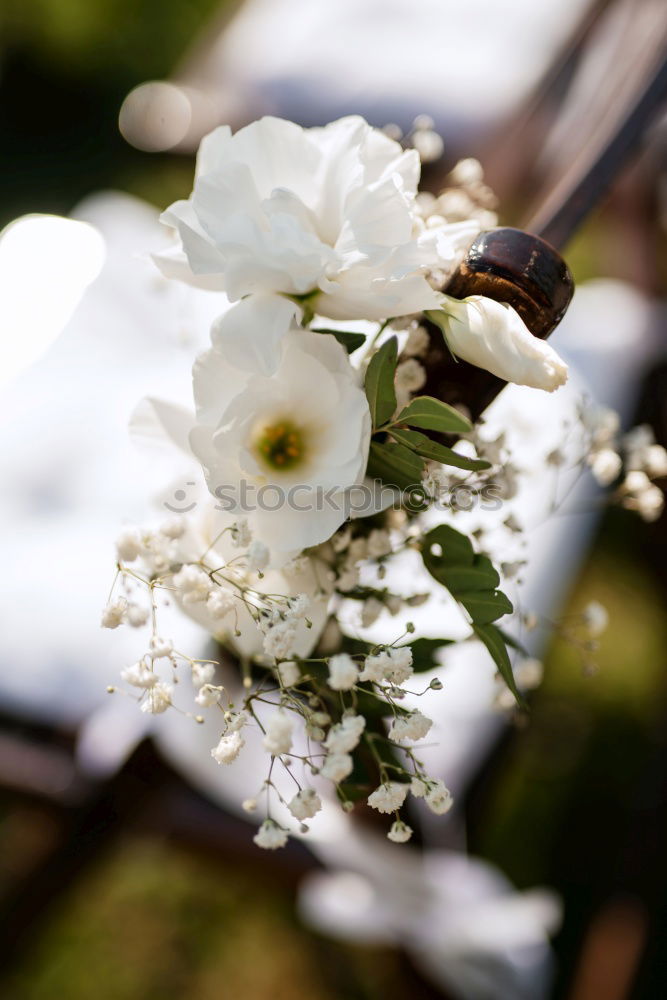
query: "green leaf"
423, 653
493, 639
456, 549
434, 415
379, 382
350, 341
484, 606
395, 465
438, 452
469, 578
509, 640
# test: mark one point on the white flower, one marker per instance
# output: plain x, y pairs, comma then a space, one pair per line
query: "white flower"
229, 618
139, 675
400, 832
298, 606
278, 737
228, 748
438, 798
278, 208
202, 673
596, 618
161, 647
528, 674
605, 465
345, 735
492, 335
413, 726
137, 616
280, 639
343, 672
193, 583
393, 665
389, 797
158, 699
128, 544
114, 613
219, 603
410, 376
270, 836
305, 804
173, 527
337, 767
292, 443
418, 342
258, 555
289, 673
655, 461
208, 695
650, 503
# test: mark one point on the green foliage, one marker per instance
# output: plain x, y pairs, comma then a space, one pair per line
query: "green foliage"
427, 448
350, 341
379, 383
494, 641
433, 415
395, 465
472, 580
424, 653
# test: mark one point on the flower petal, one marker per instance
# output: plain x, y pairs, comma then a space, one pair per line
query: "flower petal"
492, 335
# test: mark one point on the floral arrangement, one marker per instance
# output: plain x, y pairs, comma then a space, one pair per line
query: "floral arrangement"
326, 465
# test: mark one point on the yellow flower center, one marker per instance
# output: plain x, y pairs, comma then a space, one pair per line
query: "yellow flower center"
281, 446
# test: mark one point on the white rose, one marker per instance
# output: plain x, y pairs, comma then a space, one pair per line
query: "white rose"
492, 335
292, 442
330, 211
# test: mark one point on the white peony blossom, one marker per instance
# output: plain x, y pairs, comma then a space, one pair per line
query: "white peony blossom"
228, 748
305, 804
343, 672
278, 737
327, 212
389, 797
286, 446
270, 836
492, 335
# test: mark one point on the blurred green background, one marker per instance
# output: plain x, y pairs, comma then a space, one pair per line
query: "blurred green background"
571, 800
